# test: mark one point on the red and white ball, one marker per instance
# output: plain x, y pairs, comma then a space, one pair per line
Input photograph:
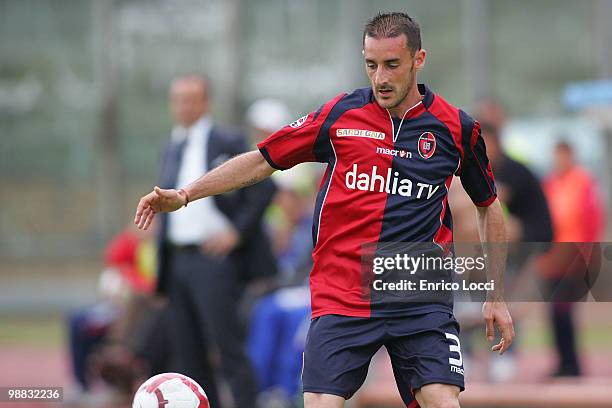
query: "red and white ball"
170, 390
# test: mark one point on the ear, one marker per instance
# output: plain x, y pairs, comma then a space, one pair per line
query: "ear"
419, 59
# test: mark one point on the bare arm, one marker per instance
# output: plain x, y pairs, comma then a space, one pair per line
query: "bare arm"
492, 233
241, 171
493, 236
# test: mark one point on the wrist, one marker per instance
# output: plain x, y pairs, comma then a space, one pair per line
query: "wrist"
494, 297
183, 193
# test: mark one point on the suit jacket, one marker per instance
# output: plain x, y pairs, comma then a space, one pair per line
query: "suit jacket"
244, 208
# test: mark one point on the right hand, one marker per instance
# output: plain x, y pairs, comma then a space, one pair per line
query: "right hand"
156, 201
496, 313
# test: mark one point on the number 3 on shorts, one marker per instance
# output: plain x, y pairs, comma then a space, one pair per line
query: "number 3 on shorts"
454, 348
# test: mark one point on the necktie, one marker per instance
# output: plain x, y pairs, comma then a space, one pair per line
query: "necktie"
176, 155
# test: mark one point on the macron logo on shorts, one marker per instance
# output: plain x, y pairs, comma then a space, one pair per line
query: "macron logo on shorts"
391, 184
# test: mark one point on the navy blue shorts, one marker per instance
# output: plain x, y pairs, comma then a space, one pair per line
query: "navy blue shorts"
424, 349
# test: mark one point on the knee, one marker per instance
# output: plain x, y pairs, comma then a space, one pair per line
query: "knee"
314, 400
447, 402
438, 396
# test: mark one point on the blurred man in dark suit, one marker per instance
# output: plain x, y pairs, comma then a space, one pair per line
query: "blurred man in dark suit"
210, 249
528, 217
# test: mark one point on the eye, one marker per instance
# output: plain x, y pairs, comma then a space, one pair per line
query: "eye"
371, 65
393, 65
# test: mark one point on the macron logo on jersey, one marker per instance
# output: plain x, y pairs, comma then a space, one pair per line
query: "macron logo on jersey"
299, 122
394, 152
391, 184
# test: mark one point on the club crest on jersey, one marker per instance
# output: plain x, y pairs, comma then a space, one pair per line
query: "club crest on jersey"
427, 145
360, 133
299, 122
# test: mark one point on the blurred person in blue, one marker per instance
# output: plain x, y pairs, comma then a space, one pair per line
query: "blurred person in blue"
277, 336
211, 250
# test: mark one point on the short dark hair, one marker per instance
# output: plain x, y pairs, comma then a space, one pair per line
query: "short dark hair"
201, 79
389, 25
489, 128
564, 145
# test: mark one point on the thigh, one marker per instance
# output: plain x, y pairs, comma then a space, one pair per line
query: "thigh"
338, 352
438, 395
425, 349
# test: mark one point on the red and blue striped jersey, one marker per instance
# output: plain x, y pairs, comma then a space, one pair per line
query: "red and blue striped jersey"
387, 180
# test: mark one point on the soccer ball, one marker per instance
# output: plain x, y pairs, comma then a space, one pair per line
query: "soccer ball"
170, 390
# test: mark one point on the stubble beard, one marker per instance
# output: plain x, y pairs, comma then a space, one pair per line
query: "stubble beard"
403, 96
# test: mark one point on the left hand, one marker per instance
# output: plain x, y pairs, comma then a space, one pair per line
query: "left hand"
157, 201
220, 245
496, 313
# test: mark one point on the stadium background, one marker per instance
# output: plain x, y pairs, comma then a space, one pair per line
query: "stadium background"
83, 115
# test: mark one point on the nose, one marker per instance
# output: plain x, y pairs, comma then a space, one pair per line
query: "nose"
380, 76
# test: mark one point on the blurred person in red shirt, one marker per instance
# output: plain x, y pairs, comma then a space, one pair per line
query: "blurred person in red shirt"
575, 204
578, 220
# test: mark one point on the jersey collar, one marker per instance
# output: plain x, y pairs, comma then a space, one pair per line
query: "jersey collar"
416, 110
428, 96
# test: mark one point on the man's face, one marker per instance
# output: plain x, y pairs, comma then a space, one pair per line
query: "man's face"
489, 111
188, 100
564, 159
391, 68
490, 135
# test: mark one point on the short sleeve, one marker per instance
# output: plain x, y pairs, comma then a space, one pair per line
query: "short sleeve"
475, 172
297, 142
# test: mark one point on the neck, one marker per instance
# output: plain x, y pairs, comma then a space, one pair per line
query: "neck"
564, 170
189, 125
412, 98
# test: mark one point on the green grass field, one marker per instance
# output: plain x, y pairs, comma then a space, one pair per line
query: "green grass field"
47, 332
50, 332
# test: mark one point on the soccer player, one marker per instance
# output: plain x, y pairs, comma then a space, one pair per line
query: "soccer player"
392, 150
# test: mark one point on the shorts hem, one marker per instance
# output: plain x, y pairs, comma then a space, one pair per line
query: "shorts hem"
444, 381
323, 390
340, 312
487, 202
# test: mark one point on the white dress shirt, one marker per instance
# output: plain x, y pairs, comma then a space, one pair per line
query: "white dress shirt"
201, 219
